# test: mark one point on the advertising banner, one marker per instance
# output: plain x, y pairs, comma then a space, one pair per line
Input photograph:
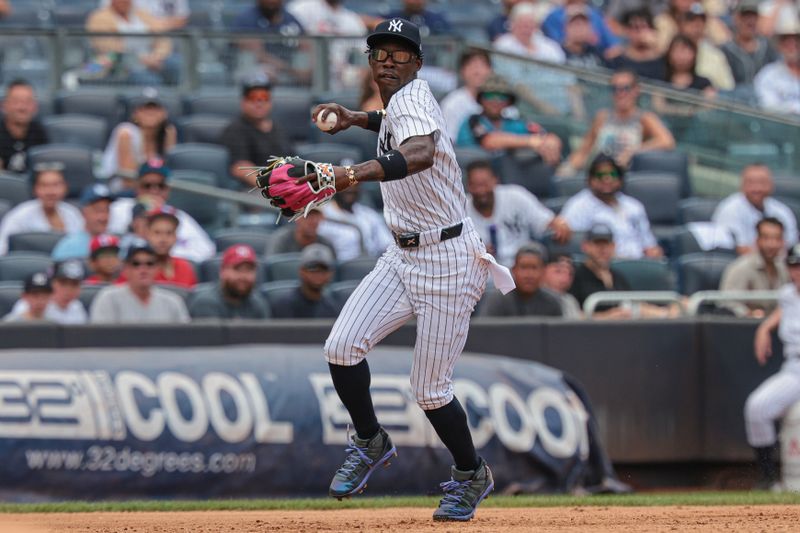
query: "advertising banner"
263, 420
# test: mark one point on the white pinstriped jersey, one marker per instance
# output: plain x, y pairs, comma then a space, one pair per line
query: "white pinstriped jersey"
432, 198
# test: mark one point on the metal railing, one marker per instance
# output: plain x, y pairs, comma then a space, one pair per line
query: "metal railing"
699, 298
634, 298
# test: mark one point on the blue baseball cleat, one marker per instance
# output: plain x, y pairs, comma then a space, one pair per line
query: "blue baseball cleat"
363, 457
463, 493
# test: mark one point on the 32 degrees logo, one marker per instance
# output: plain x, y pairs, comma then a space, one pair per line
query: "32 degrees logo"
95, 406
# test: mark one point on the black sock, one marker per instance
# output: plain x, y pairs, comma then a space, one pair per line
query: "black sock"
352, 385
766, 465
450, 423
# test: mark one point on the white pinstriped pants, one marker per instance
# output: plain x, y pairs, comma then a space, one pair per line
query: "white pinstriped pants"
439, 285
769, 402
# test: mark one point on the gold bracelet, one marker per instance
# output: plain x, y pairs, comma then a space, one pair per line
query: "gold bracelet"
351, 175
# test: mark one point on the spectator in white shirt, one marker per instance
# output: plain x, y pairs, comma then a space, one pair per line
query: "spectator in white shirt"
475, 67
36, 294
63, 305
507, 216
604, 202
152, 189
525, 37
777, 85
373, 235
47, 211
740, 212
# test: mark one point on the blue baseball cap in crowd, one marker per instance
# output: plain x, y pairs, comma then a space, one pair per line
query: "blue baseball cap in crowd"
600, 232
96, 192
154, 166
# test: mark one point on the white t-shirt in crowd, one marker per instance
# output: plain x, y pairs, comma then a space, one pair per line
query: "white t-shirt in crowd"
29, 216
740, 217
457, 107
118, 305
373, 235
160, 8
74, 313
518, 217
193, 242
777, 88
110, 160
544, 48
627, 220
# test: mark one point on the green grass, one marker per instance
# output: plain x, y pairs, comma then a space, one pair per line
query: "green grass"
647, 499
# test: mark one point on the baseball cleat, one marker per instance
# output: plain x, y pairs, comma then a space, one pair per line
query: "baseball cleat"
463, 493
363, 457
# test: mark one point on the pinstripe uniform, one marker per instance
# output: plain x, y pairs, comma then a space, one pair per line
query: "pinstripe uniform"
439, 282
770, 401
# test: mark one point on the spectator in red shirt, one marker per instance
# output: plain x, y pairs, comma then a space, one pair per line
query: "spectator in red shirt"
162, 228
104, 259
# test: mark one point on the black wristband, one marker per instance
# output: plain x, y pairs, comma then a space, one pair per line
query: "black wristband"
374, 119
394, 165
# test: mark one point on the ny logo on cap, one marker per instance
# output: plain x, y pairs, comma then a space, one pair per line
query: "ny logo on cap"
396, 25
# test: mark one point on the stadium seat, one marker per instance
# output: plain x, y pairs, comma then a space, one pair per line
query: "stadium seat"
466, 155
74, 128
568, 185
364, 141
787, 186
15, 266
670, 161
34, 241
10, 292
273, 291
14, 187
5, 207
204, 157
571, 247
68, 16
349, 99
88, 293
257, 238
208, 272
646, 274
658, 191
341, 290
281, 267
555, 204
355, 269
696, 209
201, 128
26, 16
226, 104
78, 163
528, 170
338, 154
205, 210
701, 271
292, 110
102, 103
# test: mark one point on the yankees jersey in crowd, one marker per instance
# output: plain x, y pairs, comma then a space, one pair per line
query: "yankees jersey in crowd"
518, 216
432, 198
628, 220
789, 328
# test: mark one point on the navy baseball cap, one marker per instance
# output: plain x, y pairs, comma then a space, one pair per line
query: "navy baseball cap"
95, 192
397, 28
600, 232
71, 269
136, 246
154, 166
37, 282
257, 81
149, 96
316, 255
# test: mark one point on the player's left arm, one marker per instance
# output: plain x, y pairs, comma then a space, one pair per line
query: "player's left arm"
414, 155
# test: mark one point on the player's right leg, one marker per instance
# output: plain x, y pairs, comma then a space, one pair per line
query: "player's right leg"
378, 306
763, 408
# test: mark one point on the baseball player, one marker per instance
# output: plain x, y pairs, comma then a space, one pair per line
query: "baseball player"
776, 395
435, 272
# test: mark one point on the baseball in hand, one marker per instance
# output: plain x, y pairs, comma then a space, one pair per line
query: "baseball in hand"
329, 123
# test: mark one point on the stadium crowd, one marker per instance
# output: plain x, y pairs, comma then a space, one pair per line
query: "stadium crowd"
94, 232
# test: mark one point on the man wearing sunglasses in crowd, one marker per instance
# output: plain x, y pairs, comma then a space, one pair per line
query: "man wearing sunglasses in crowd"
253, 137
138, 300
152, 191
435, 272
494, 131
603, 202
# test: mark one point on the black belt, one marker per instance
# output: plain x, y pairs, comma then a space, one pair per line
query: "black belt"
412, 240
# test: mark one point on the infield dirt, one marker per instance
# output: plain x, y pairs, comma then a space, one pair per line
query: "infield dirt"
409, 520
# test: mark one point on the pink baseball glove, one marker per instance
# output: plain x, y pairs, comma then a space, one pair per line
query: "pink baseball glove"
277, 184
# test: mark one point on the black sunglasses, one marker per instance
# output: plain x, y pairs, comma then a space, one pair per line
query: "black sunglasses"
401, 57
137, 264
150, 186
